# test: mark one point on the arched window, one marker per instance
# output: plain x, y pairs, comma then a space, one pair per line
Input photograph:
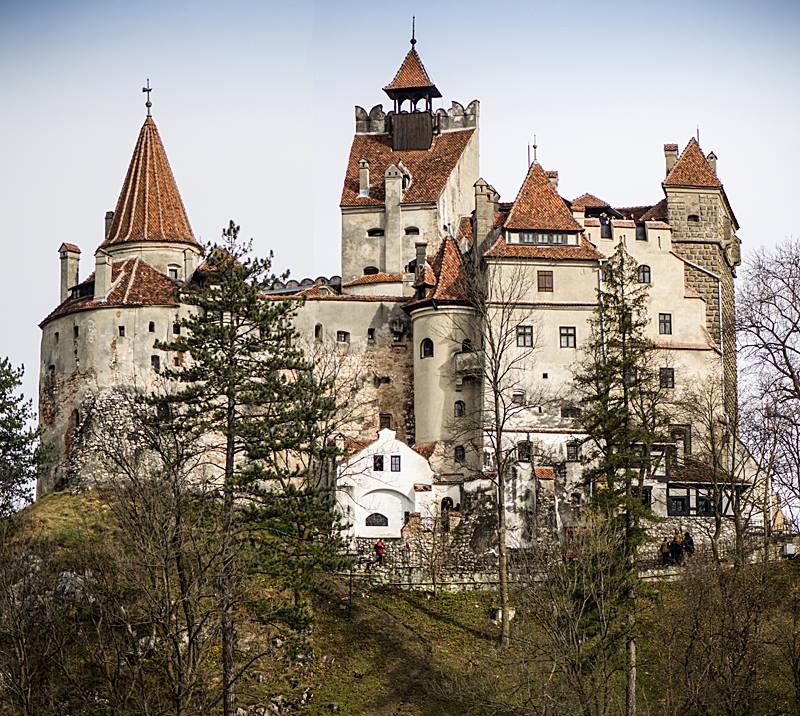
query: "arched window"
370, 270
426, 348
644, 274
318, 333
466, 346
459, 454
412, 231
459, 408
447, 503
374, 232
376, 519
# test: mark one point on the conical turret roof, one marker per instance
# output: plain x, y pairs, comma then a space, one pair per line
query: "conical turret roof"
149, 207
411, 76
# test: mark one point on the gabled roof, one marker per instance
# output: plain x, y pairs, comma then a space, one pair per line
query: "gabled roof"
657, 212
444, 277
429, 168
584, 251
380, 277
589, 200
133, 283
539, 207
411, 75
149, 207
692, 169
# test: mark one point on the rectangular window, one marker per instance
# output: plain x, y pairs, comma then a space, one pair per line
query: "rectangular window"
665, 324
176, 329
573, 452
545, 281
56, 336
524, 452
647, 495
377, 463
397, 337
567, 337
666, 377
121, 331
76, 331
395, 463
705, 505
518, 397
155, 362
385, 421
525, 336
342, 336
678, 505
370, 334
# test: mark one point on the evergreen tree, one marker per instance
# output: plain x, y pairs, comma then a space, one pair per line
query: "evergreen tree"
623, 418
247, 386
20, 452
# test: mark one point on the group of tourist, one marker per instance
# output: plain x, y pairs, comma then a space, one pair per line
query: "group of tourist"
673, 552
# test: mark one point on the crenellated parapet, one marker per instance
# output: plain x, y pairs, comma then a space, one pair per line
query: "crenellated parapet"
376, 121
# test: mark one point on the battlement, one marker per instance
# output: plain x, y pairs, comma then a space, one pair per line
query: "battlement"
376, 121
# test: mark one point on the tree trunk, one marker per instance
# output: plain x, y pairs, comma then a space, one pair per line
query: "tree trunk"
226, 580
630, 690
505, 622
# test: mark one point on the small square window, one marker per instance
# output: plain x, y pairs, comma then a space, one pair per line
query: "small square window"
370, 334
518, 397
342, 336
176, 328
172, 272
573, 452
545, 376
385, 421
397, 337
678, 505
666, 377
665, 324
155, 362
377, 463
525, 336
545, 281
121, 331
152, 327
567, 336
395, 463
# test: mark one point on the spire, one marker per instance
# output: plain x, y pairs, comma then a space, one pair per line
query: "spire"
412, 79
149, 207
147, 88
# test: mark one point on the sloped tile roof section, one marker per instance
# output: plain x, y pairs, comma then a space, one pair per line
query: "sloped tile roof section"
445, 279
692, 169
584, 251
380, 277
133, 283
539, 207
657, 212
411, 75
464, 232
429, 169
589, 201
149, 207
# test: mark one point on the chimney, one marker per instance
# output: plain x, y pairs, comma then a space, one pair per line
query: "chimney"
109, 221
102, 275
553, 177
70, 256
363, 177
189, 263
671, 155
421, 248
485, 203
712, 161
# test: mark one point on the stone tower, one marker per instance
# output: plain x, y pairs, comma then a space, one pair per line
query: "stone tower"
704, 235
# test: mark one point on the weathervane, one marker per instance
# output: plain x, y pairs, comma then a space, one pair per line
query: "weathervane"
148, 89
413, 31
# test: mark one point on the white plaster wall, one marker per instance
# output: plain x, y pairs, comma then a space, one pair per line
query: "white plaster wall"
156, 254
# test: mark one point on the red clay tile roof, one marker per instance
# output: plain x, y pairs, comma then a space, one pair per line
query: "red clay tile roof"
149, 207
589, 200
584, 251
380, 277
429, 168
464, 232
544, 473
133, 283
450, 279
538, 205
69, 247
411, 75
424, 449
657, 212
692, 169
633, 212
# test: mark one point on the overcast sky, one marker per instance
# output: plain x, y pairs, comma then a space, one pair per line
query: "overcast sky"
254, 102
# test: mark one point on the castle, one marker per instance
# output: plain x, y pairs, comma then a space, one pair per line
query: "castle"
416, 217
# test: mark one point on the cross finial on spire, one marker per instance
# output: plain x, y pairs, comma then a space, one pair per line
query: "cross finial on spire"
535, 147
413, 31
148, 89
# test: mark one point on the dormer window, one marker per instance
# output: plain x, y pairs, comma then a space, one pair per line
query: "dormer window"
545, 238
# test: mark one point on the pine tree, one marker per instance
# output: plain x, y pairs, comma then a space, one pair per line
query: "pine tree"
247, 386
623, 417
20, 452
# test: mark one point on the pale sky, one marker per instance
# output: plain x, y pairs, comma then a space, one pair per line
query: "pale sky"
254, 102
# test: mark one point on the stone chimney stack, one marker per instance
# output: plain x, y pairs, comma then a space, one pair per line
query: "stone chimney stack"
421, 249
393, 228
109, 221
189, 263
102, 275
712, 161
553, 177
70, 256
485, 205
670, 155
363, 177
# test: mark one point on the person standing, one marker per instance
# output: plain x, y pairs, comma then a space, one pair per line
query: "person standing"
664, 552
380, 551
